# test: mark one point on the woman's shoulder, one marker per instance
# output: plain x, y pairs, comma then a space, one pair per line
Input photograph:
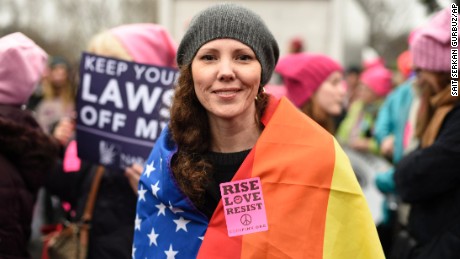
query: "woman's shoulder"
18, 115
165, 141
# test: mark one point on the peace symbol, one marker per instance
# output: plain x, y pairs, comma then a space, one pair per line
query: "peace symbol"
246, 219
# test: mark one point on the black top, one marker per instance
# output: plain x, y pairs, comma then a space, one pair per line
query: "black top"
429, 180
26, 156
112, 228
224, 166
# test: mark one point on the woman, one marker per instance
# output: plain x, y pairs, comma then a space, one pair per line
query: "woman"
58, 95
357, 129
428, 178
112, 224
27, 154
226, 132
314, 83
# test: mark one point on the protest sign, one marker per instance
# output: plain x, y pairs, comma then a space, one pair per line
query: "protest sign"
121, 109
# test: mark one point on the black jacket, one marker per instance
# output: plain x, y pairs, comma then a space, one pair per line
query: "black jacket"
429, 179
27, 154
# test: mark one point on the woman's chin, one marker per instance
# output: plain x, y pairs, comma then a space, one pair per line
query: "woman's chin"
335, 111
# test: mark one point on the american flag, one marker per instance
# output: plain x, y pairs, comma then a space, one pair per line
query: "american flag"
167, 224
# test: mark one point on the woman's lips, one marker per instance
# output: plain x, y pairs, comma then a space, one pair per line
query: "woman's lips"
226, 92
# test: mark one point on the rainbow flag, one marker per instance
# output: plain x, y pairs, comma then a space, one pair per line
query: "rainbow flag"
314, 205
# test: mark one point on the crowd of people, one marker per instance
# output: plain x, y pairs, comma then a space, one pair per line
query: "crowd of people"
241, 116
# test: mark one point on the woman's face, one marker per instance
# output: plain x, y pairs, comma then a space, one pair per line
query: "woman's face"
226, 76
58, 75
330, 96
366, 94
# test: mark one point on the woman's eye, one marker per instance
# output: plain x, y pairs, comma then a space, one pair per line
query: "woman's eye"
245, 57
207, 57
336, 82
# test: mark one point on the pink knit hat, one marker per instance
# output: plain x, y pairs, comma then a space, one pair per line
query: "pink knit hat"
147, 43
22, 63
374, 62
303, 74
378, 79
431, 45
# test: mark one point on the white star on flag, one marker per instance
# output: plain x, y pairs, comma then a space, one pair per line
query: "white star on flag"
155, 188
164, 210
161, 209
149, 168
141, 192
181, 224
133, 251
153, 237
137, 223
173, 209
171, 254
202, 237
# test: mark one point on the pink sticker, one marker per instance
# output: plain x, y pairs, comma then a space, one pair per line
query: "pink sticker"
244, 207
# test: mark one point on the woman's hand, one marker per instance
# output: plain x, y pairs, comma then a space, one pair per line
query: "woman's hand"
361, 144
133, 173
386, 148
64, 131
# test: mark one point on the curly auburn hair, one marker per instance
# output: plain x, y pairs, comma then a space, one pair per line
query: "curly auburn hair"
190, 130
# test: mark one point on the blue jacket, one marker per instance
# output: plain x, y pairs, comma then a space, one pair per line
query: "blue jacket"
393, 116
391, 120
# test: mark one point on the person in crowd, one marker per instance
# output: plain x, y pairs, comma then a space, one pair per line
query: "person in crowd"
27, 153
428, 178
314, 83
58, 95
395, 136
112, 225
52, 101
297, 45
357, 129
226, 135
352, 74
56, 81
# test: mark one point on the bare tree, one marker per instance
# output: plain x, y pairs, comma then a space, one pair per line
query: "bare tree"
64, 27
431, 5
388, 35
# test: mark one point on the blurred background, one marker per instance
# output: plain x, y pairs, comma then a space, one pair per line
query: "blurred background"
347, 30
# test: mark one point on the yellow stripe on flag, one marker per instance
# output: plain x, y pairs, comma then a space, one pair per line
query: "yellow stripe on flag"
350, 230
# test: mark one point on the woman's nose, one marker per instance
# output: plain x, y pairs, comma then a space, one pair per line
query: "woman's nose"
343, 87
226, 70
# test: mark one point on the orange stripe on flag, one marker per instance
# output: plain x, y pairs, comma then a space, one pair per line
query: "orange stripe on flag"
294, 161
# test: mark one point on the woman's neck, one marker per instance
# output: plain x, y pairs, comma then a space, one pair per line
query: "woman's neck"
233, 135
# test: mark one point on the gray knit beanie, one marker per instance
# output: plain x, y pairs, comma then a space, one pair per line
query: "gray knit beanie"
234, 22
